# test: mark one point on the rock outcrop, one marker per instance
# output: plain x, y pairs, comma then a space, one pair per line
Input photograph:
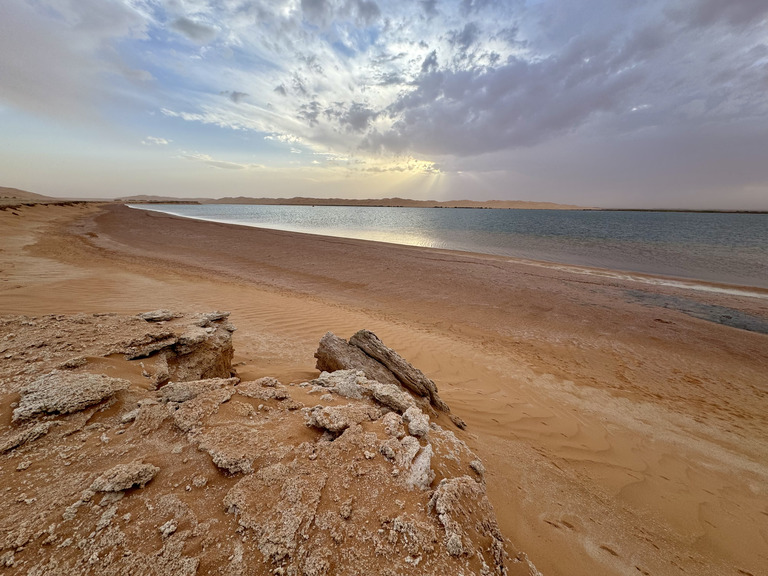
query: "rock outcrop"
365, 352
343, 474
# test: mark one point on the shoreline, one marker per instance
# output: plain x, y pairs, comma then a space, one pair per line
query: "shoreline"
619, 435
615, 273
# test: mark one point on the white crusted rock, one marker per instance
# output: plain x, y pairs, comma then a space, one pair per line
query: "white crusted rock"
421, 474
391, 396
418, 422
125, 476
65, 392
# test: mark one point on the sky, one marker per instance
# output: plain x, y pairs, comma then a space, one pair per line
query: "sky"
611, 103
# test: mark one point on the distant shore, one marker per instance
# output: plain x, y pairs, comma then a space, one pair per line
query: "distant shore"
12, 197
372, 202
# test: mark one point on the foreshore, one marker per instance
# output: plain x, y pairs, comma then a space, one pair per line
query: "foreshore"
622, 432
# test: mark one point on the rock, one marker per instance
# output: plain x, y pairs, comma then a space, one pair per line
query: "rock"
168, 528
393, 425
124, 477
418, 422
409, 447
279, 531
130, 416
191, 413
334, 353
458, 422
410, 377
421, 475
64, 392
157, 316
206, 318
327, 418
267, 382
391, 396
232, 463
466, 515
338, 418
478, 467
190, 352
347, 383
149, 344
183, 391
259, 391
27, 435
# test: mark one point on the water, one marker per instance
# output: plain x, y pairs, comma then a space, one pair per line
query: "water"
721, 248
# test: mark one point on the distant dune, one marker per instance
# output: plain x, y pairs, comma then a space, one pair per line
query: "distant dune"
11, 196
387, 202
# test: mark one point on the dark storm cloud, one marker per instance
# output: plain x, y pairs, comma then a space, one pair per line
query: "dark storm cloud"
520, 103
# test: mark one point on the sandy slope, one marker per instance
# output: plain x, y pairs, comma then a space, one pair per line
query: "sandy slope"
621, 435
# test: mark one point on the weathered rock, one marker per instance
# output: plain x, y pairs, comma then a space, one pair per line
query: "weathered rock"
418, 422
478, 467
327, 418
261, 391
27, 435
150, 344
393, 425
347, 383
421, 474
65, 392
392, 396
191, 413
410, 377
467, 516
206, 318
238, 448
458, 422
183, 391
338, 418
409, 447
279, 531
192, 352
157, 316
334, 353
125, 476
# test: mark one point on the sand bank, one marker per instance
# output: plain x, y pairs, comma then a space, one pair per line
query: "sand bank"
622, 433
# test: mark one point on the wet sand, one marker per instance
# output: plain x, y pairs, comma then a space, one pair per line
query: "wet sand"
624, 424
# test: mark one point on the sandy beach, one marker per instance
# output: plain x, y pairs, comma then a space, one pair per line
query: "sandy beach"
623, 423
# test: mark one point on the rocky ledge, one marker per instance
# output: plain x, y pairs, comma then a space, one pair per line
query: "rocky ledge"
128, 445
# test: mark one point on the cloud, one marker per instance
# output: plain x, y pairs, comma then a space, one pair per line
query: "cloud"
706, 13
61, 61
154, 141
469, 83
222, 164
194, 31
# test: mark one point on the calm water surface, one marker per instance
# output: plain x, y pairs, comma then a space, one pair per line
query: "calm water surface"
723, 248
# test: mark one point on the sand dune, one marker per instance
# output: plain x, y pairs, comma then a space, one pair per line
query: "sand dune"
620, 437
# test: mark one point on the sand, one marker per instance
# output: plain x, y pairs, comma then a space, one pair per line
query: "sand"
624, 430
